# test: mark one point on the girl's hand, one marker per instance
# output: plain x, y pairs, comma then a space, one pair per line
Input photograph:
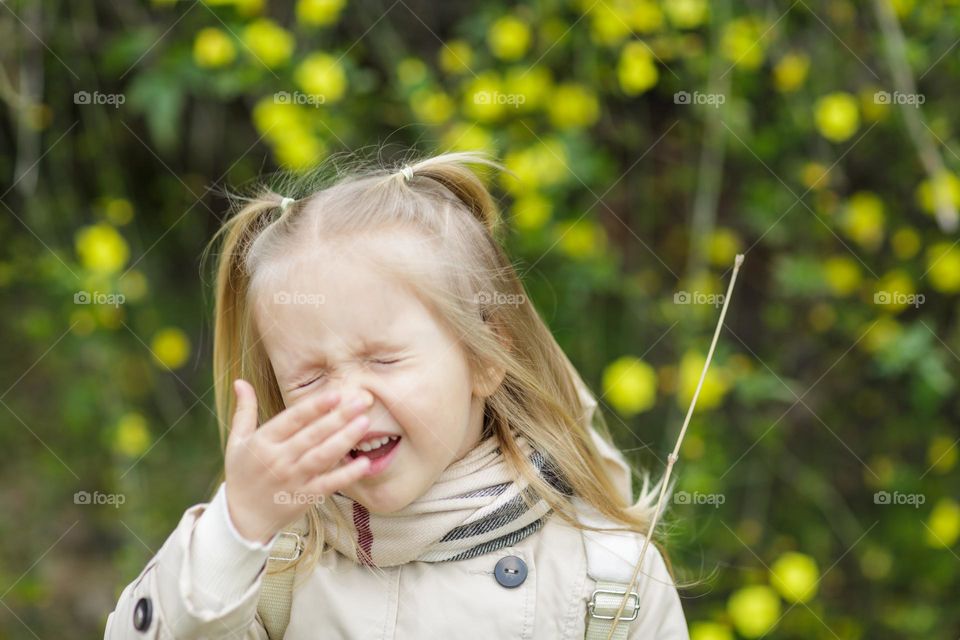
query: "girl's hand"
276, 472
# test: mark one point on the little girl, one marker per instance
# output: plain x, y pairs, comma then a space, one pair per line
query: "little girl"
409, 453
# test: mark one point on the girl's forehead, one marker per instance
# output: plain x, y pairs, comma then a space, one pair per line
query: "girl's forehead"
341, 286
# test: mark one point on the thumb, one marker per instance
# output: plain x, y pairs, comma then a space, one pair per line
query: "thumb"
245, 416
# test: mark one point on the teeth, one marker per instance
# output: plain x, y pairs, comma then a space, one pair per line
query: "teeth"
370, 445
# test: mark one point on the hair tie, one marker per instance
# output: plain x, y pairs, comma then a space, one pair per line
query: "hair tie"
407, 172
285, 204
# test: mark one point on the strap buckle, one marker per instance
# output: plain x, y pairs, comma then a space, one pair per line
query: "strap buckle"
297, 549
633, 600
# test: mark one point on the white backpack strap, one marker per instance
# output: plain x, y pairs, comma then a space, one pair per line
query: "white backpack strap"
611, 557
276, 592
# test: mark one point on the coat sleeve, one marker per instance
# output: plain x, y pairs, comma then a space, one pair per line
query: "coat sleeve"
661, 614
204, 582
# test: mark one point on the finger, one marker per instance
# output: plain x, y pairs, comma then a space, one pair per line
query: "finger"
294, 418
323, 427
329, 452
329, 483
244, 420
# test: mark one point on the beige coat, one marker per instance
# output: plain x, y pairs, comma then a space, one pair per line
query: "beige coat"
458, 599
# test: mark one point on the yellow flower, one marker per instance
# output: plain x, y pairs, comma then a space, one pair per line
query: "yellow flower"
863, 219
636, 70
411, 72
837, 116
946, 185
903, 7
710, 631
608, 23
742, 42
795, 576
531, 211
715, 385
170, 347
321, 74
131, 437
815, 175
879, 335
723, 246
645, 16
508, 38
119, 211
943, 525
943, 267
895, 291
543, 164
456, 57
630, 385
268, 42
581, 239
791, 71
906, 243
318, 13
213, 48
942, 454
842, 275
101, 249
687, 14
299, 150
483, 98
244, 7
468, 137
573, 106
534, 84
754, 610
274, 119
434, 107
873, 110
248, 7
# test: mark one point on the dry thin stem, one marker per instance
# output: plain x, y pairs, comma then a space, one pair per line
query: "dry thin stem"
672, 458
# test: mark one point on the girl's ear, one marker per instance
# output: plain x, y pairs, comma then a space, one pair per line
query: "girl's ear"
488, 381
492, 375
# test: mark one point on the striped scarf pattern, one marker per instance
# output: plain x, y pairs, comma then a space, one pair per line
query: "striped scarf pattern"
474, 507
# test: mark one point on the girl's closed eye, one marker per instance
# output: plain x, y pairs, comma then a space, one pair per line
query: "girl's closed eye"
308, 382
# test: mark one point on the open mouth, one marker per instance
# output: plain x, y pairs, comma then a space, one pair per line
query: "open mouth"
376, 448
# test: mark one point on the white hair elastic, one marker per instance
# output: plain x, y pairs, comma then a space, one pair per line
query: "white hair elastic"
407, 172
285, 204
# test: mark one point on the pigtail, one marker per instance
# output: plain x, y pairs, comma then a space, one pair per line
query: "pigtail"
452, 170
231, 317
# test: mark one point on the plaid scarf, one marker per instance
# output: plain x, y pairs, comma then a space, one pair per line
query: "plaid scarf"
474, 507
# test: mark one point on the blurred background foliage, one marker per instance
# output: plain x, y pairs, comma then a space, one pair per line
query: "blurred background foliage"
650, 142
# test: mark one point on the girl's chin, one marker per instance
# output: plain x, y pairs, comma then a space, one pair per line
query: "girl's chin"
379, 501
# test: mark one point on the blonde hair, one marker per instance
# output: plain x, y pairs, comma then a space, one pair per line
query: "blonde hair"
445, 201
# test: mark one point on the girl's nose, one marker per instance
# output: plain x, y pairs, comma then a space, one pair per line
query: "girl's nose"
350, 393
